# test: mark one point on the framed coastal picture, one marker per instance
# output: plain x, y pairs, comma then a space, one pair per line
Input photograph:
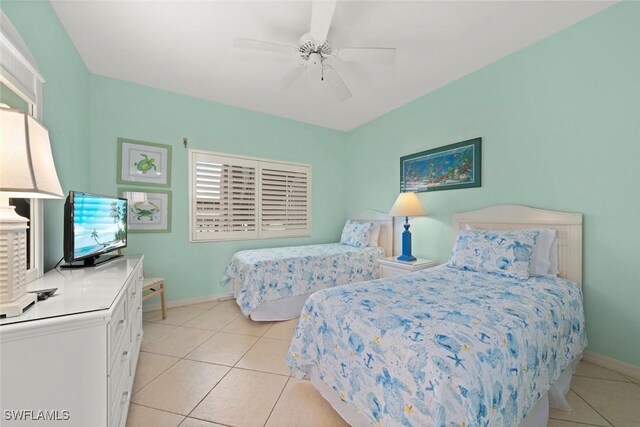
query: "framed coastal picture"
144, 163
444, 168
148, 211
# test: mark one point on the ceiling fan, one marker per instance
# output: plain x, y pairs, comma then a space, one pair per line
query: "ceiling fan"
315, 51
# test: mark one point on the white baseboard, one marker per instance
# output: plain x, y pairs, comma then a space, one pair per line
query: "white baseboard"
613, 364
187, 301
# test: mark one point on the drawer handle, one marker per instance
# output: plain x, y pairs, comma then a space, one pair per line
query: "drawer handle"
120, 324
139, 308
125, 354
138, 336
125, 396
134, 293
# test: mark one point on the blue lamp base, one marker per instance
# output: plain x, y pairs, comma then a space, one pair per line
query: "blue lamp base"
406, 244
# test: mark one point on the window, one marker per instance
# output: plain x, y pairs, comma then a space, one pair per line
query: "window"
240, 198
21, 88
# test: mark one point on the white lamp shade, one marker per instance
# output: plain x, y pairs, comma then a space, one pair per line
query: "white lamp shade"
407, 204
26, 164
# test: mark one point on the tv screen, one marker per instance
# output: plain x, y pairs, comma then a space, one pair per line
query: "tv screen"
94, 225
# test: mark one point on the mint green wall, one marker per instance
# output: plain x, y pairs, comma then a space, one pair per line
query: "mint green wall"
561, 130
65, 109
121, 109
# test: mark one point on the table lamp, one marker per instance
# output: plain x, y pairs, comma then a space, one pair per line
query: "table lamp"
406, 205
26, 171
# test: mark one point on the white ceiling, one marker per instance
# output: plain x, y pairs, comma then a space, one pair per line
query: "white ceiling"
186, 47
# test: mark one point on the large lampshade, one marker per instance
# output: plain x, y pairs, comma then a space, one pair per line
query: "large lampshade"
26, 164
26, 171
407, 204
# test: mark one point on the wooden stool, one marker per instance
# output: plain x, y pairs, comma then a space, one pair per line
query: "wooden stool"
152, 287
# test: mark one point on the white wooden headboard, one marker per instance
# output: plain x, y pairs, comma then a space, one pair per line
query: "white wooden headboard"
516, 217
385, 241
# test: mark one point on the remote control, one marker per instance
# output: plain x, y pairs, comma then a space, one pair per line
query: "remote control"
43, 294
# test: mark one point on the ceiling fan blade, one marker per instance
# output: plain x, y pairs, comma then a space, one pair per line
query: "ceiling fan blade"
373, 55
339, 89
321, 16
291, 77
260, 45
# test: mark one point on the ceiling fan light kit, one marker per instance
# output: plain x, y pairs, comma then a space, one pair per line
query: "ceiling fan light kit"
315, 51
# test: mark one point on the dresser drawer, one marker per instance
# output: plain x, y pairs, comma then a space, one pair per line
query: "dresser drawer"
117, 328
135, 289
120, 364
120, 398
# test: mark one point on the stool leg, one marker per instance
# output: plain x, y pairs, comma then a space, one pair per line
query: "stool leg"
162, 302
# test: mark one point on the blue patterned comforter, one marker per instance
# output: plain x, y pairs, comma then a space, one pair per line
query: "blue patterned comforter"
441, 347
276, 273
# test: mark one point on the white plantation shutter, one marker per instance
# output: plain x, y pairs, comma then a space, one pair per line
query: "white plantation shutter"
224, 198
285, 196
236, 198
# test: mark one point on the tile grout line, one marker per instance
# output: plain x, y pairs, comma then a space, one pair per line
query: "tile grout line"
277, 400
591, 406
161, 410
577, 422
154, 378
582, 422
604, 379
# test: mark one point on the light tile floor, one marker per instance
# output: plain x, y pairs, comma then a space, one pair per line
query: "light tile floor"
206, 365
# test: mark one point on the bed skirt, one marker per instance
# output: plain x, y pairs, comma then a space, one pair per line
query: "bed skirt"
276, 310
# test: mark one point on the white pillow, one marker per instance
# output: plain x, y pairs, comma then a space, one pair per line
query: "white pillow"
375, 235
545, 251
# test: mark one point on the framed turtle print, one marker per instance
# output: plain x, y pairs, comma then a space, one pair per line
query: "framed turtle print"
144, 163
148, 211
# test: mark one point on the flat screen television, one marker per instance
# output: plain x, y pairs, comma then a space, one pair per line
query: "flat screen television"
93, 225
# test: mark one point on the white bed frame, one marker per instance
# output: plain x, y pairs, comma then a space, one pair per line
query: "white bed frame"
290, 307
506, 217
516, 217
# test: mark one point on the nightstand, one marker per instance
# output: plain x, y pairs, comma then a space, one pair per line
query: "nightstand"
390, 266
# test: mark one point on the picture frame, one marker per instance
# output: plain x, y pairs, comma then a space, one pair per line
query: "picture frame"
449, 167
148, 211
143, 163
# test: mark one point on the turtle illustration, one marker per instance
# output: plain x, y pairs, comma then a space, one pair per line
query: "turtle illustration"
146, 164
145, 210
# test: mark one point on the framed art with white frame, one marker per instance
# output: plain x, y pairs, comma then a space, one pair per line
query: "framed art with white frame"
148, 211
144, 163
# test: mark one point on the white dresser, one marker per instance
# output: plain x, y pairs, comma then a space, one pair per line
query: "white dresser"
72, 358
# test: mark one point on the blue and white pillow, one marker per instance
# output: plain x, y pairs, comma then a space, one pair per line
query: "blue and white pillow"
505, 253
356, 233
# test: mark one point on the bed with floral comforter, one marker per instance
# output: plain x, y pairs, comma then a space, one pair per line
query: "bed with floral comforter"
441, 347
276, 273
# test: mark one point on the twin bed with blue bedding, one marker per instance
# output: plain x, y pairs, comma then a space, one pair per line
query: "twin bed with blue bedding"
273, 283
441, 347
482, 341
270, 276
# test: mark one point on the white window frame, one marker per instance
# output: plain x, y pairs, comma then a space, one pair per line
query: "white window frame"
258, 163
19, 72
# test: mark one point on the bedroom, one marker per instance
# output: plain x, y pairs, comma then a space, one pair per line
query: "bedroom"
552, 115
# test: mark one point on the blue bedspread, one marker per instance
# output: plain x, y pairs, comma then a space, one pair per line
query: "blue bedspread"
276, 273
441, 347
